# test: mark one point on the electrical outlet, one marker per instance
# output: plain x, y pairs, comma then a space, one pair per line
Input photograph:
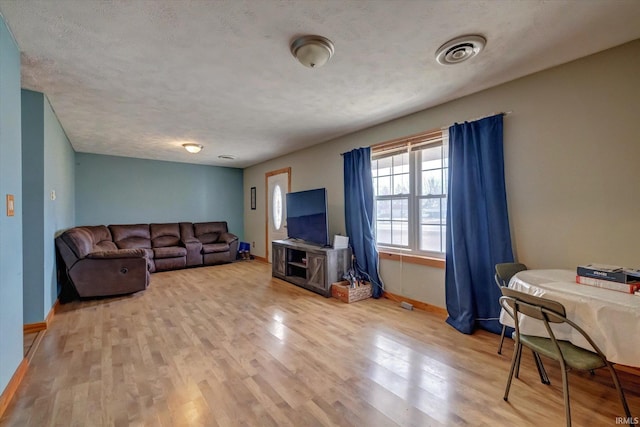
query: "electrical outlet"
253, 244
53, 194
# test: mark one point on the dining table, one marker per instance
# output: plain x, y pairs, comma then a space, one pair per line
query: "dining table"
611, 318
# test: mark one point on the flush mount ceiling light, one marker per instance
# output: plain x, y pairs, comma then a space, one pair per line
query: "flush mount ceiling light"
312, 51
192, 148
226, 156
460, 49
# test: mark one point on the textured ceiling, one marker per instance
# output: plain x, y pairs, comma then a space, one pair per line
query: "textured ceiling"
138, 78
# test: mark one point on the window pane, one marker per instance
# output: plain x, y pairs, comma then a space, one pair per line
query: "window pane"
374, 168
383, 232
430, 211
400, 209
401, 184
401, 163
431, 158
445, 179
430, 238
443, 205
384, 166
384, 185
399, 233
445, 157
383, 209
375, 187
432, 182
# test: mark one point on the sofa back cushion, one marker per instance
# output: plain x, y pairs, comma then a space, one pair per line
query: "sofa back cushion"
79, 240
186, 231
209, 232
131, 236
164, 235
88, 239
102, 240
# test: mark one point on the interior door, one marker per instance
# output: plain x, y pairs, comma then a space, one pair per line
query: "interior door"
278, 184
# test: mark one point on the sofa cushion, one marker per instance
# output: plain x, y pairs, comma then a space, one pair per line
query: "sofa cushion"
165, 235
169, 252
100, 234
102, 240
209, 238
165, 241
214, 248
104, 246
131, 236
186, 231
209, 232
133, 243
118, 253
79, 240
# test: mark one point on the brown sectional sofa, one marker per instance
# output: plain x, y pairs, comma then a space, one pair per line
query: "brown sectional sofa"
117, 259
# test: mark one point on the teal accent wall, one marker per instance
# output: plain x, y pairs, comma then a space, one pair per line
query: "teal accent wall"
10, 227
121, 190
32, 205
59, 214
48, 164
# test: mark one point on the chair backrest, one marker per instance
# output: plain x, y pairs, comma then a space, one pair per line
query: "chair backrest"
506, 270
533, 306
546, 310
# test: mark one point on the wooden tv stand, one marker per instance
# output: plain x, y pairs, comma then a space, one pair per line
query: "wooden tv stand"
309, 266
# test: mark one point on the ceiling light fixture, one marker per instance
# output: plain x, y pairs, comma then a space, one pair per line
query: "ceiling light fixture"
192, 148
312, 51
460, 49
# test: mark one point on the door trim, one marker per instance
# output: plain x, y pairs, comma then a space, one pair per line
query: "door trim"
266, 200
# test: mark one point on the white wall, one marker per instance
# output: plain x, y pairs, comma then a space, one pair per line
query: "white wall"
572, 146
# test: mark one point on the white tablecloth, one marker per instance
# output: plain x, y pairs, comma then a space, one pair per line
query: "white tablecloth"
610, 318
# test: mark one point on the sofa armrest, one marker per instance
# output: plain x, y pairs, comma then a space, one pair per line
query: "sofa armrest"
194, 251
228, 238
118, 254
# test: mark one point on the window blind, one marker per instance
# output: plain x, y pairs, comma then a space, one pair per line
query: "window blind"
407, 143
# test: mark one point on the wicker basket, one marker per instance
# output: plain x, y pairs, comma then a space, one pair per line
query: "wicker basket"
344, 293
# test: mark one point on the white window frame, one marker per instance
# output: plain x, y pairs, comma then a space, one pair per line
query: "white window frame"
413, 145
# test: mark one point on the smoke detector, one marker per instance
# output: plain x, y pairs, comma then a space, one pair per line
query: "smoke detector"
460, 49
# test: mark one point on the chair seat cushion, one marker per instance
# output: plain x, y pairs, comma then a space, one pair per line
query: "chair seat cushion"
169, 252
574, 356
215, 248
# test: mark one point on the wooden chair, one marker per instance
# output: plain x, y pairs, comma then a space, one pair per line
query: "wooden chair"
568, 354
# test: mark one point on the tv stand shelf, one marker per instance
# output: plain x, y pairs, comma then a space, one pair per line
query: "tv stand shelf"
297, 264
309, 266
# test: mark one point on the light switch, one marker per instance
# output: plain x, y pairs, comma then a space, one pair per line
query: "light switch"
53, 194
10, 205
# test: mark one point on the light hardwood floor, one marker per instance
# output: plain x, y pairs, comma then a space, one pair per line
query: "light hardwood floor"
230, 346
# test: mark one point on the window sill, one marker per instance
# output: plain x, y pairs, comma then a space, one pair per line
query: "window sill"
413, 259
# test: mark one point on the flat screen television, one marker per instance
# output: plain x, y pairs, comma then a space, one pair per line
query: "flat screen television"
307, 216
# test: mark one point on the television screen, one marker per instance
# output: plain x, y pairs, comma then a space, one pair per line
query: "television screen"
307, 216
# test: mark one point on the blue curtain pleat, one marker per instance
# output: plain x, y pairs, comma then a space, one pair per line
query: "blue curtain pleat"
358, 206
478, 235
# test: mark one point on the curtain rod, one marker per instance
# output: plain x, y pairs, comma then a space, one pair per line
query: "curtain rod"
504, 113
